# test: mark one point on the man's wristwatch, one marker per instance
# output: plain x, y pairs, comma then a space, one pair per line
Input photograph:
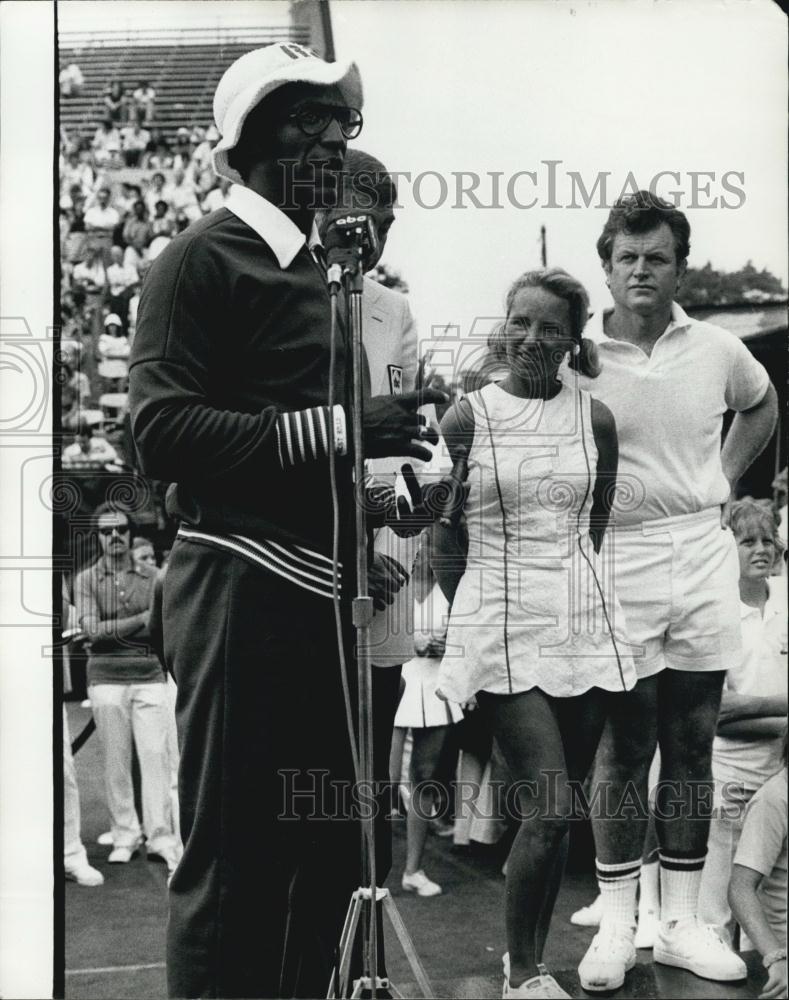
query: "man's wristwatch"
773, 956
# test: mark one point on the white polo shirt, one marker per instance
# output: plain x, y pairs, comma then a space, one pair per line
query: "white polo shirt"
669, 409
761, 671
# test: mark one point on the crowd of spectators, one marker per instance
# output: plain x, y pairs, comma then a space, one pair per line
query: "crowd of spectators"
124, 194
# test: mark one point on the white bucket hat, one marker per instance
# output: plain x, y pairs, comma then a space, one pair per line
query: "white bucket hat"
255, 75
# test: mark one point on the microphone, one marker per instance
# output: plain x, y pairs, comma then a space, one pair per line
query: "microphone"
350, 238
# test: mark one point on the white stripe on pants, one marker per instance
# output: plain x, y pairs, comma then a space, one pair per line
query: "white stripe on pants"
140, 712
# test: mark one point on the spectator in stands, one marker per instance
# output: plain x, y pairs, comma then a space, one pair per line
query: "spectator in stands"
137, 231
158, 190
76, 238
134, 142
89, 450
71, 81
121, 281
184, 198
217, 197
113, 343
205, 181
182, 151
90, 274
127, 196
74, 394
144, 98
76, 172
127, 691
158, 155
142, 552
162, 223
106, 144
115, 102
102, 217
201, 149
67, 198
752, 720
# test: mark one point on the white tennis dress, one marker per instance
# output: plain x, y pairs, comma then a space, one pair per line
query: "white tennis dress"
535, 606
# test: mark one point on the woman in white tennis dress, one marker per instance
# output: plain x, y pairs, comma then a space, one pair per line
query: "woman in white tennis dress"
535, 630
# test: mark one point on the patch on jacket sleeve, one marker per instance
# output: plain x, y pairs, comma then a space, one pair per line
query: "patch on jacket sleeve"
395, 380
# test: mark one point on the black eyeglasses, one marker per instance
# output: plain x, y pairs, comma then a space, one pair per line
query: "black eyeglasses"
313, 119
120, 529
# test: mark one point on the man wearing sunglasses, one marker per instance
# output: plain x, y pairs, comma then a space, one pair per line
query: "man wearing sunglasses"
236, 395
127, 691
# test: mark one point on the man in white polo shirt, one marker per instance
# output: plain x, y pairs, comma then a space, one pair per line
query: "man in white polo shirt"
668, 380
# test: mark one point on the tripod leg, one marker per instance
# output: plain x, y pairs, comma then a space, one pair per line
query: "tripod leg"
346, 946
407, 945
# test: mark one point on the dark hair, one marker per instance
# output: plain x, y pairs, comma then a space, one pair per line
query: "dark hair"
564, 286
369, 178
641, 213
108, 507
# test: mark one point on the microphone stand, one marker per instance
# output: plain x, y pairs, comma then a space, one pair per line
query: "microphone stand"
362, 909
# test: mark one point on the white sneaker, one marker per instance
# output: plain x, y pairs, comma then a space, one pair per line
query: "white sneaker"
122, 855
541, 987
589, 916
647, 929
610, 955
171, 855
105, 839
85, 874
697, 947
420, 884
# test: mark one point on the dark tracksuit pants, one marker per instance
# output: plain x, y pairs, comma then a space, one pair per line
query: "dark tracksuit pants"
258, 901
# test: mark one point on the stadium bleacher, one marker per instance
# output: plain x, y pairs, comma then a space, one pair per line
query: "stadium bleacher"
183, 68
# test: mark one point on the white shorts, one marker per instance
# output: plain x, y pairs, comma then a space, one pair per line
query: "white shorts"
677, 580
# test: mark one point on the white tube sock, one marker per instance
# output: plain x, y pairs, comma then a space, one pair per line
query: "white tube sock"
680, 881
618, 886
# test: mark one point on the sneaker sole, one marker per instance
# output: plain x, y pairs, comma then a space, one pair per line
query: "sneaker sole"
611, 984
85, 885
423, 895
665, 958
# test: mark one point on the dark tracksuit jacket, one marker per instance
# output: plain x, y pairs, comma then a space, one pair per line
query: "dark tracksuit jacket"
229, 384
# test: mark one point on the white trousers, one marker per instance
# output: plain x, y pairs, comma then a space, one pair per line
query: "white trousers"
174, 756
74, 854
139, 712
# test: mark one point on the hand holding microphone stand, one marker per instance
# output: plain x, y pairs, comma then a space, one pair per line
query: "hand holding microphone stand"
347, 240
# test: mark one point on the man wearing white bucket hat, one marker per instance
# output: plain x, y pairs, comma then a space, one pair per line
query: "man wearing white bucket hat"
234, 401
